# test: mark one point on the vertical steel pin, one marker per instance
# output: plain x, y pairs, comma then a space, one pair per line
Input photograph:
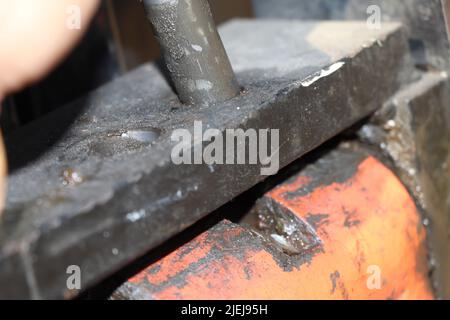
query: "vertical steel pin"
193, 51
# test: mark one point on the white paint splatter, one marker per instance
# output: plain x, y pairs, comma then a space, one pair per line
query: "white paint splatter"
136, 215
322, 74
195, 85
197, 48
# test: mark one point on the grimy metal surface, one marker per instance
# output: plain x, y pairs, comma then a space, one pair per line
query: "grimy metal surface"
424, 20
193, 51
93, 184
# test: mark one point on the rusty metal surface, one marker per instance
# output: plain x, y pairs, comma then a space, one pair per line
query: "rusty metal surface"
414, 130
315, 236
424, 20
93, 184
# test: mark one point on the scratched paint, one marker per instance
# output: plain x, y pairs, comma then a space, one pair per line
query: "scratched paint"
322, 74
233, 262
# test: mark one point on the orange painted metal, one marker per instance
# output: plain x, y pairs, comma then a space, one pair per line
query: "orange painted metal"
371, 246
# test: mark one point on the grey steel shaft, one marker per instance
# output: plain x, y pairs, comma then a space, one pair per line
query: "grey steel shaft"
193, 51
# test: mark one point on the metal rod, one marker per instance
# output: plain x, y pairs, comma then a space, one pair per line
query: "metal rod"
193, 51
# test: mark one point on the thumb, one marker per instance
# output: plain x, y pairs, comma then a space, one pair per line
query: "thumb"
36, 35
